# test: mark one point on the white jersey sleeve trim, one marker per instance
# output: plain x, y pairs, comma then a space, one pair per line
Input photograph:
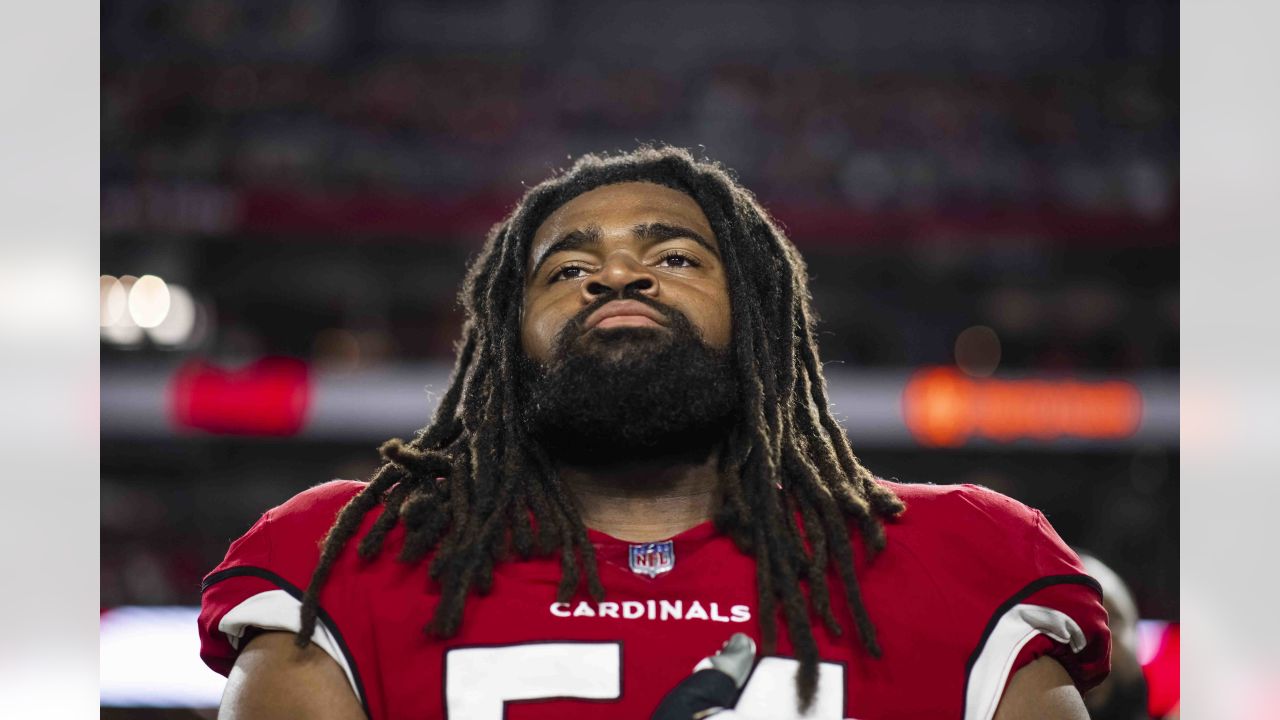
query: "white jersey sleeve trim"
278, 610
1012, 632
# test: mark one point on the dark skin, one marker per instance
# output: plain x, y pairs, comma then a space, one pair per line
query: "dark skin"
659, 241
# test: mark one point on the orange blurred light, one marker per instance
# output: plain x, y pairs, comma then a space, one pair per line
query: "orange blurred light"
944, 407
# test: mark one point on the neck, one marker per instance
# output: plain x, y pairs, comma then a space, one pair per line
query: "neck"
646, 501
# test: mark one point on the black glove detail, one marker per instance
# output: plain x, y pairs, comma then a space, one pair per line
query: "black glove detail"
715, 683
700, 691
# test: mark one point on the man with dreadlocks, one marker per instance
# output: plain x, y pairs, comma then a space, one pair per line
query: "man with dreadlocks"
633, 484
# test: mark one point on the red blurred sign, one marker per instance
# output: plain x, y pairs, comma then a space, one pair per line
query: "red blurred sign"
942, 406
269, 396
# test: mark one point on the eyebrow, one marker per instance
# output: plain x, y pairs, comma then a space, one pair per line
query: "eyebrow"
590, 236
657, 232
570, 241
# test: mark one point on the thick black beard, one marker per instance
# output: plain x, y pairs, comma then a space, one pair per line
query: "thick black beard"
630, 394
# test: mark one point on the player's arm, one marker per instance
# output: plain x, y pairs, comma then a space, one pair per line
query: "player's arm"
275, 680
1041, 689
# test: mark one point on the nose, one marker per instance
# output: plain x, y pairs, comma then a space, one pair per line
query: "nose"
619, 274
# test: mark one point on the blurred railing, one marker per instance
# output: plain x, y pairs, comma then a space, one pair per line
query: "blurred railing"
882, 408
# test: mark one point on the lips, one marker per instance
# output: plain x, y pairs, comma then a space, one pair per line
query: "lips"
625, 313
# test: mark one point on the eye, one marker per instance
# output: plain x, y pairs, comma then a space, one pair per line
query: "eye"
568, 272
677, 259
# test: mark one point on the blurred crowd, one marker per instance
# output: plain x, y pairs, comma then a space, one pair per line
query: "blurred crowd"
1088, 133
975, 178
1089, 143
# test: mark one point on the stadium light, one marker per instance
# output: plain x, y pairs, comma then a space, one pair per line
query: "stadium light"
122, 330
179, 322
149, 301
111, 300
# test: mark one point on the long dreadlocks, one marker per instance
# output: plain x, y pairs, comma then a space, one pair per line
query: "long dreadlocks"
472, 486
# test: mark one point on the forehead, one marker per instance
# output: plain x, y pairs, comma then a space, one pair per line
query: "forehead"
624, 205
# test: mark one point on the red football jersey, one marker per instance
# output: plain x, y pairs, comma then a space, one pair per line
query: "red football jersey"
971, 586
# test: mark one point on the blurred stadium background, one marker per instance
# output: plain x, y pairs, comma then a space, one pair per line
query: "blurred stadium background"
986, 194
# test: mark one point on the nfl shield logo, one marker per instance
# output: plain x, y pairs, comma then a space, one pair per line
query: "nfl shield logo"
654, 558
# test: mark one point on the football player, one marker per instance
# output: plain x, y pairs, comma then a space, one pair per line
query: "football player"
635, 465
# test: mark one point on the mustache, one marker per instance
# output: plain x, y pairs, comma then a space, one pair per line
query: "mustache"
577, 323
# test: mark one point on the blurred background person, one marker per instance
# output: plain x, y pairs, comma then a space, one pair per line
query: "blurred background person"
1123, 695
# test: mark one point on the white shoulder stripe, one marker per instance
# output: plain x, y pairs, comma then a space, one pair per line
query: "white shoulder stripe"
1012, 632
278, 610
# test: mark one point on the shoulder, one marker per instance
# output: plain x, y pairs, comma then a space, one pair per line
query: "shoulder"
981, 531
963, 500
999, 563
317, 505
969, 517
286, 539
261, 580
318, 500
292, 530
